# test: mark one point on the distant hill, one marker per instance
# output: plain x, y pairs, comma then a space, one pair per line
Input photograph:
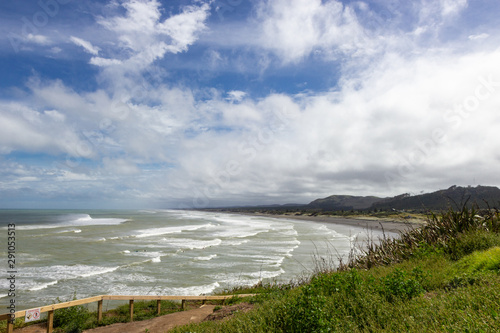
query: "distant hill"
454, 197
343, 202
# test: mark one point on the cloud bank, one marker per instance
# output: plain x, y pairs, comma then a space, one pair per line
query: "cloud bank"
412, 107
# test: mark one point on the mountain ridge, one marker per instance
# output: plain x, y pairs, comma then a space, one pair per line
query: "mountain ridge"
454, 197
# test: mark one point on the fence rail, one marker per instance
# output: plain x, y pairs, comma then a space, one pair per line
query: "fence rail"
99, 299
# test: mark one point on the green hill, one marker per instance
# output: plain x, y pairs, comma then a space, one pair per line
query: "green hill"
455, 197
346, 202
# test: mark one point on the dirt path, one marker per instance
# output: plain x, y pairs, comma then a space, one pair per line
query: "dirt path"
154, 325
159, 324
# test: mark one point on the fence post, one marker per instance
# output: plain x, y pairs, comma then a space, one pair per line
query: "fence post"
131, 303
50, 321
158, 306
10, 326
183, 304
99, 311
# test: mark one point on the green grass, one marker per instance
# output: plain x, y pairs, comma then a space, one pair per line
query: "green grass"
444, 277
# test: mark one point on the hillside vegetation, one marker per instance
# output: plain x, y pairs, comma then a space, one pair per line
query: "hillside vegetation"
482, 197
443, 277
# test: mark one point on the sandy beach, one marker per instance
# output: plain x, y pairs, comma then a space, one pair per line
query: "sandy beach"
363, 222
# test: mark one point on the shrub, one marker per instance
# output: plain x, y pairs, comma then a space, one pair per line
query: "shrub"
72, 319
400, 285
439, 231
465, 244
305, 311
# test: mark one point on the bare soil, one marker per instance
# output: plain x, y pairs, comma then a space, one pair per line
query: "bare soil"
159, 324
228, 311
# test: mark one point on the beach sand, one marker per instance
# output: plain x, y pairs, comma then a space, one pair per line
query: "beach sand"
388, 225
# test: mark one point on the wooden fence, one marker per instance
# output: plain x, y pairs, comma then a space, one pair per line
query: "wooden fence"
99, 299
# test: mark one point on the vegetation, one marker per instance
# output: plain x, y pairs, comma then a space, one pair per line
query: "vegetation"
75, 319
443, 277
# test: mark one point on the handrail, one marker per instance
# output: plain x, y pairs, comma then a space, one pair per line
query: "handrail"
51, 308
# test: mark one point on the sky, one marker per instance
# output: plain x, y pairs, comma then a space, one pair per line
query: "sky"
203, 103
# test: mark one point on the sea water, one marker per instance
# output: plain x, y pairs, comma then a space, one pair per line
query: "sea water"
61, 254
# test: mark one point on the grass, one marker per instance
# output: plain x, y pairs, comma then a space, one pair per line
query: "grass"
443, 277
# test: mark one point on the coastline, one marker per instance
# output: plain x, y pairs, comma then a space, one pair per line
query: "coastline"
379, 224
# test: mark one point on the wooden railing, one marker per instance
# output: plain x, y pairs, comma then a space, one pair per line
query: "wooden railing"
99, 299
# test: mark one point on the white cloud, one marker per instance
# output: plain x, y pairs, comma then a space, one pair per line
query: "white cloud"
57, 116
333, 30
55, 50
479, 36
38, 39
452, 7
236, 95
103, 62
24, 129
294, 29
144, 37
120, 166
434, 15
381, 134
87, 46
68, 176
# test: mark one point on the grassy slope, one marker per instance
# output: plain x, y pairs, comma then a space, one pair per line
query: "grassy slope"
444, 277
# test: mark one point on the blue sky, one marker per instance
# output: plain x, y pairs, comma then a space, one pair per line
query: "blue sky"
194, 103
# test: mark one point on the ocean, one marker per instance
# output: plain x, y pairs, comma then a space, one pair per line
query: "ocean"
63, 253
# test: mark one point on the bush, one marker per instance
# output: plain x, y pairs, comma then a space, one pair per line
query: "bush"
398, 285
465, 244
72, 319
305, 311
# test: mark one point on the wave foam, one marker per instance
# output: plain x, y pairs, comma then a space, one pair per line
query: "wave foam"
190, 244
193, 290
207, 258
74, 221
43, 286
168, 230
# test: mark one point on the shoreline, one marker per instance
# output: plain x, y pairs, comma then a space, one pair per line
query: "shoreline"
387, 225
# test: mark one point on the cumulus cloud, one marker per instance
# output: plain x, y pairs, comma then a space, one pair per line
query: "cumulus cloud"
402, 124
25, 129
148, 38
235, 95
294, 29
